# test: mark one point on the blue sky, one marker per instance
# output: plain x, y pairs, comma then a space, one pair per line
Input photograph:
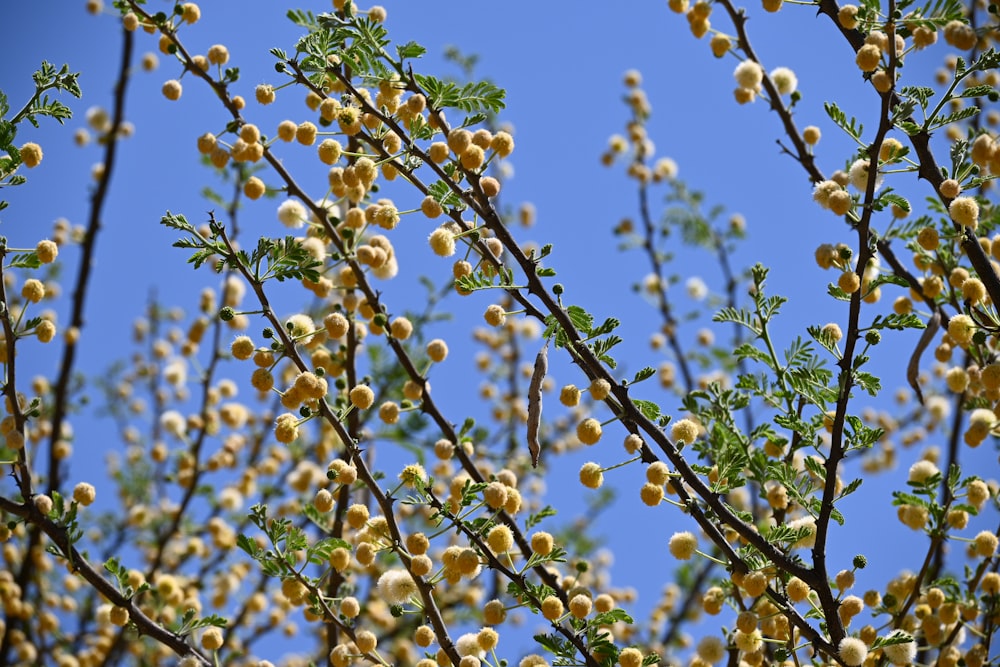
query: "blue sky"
561, 64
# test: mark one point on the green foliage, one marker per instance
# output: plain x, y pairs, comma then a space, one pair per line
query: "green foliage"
851, 126
472, 97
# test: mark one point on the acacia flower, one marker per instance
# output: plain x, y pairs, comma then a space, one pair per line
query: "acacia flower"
651, 494
720, 45
442, 242
748, 642
254, 188
500, 539
211, 640
305, 133
848, 16
965, 211
43, 503
591, 475
172, 90
31, 155
542, 543
852, 651
914, 517
552, 608
396, 586
684, 431
977, 493
503, 143
45, 331
858, 175
749, 75
468, 645
218, 54
84, 493
711, 649
291, 213
413, 474
868, 57
329, 151
388, 412
264, 93
683, 545
173, 423
569, 395
46, 251
362, 397
985, 544
33, 290
823, 190
903, 653
589, 431
630, 657
336, 325
784, 80
921, 471
242, 348
495, 315
286, 428
437, 350
696, 288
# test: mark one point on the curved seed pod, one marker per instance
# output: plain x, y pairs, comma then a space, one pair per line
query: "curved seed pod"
535, 402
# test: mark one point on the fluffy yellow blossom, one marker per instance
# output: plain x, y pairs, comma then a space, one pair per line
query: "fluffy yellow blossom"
965, 211
683, 545
589, 431
31, 154
684, 431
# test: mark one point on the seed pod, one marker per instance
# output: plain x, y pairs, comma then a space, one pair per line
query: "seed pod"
535, 402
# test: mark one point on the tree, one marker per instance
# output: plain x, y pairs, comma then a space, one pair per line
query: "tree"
250, 502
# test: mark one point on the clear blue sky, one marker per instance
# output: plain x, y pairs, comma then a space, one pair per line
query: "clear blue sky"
561, 64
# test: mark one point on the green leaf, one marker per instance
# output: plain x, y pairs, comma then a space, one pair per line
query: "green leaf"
919, 94
825, 338
850, 488
897, 637
555, 644
581, 319
748, 351
977, 91
852, 127
899, 322
643, 374
868, 382
954, 117
176, 222
649, 409
894, 199
25, 261
301, 18
536, 518
410, 50
472, 97
601, 348
613, 616
740, 316
442, 193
